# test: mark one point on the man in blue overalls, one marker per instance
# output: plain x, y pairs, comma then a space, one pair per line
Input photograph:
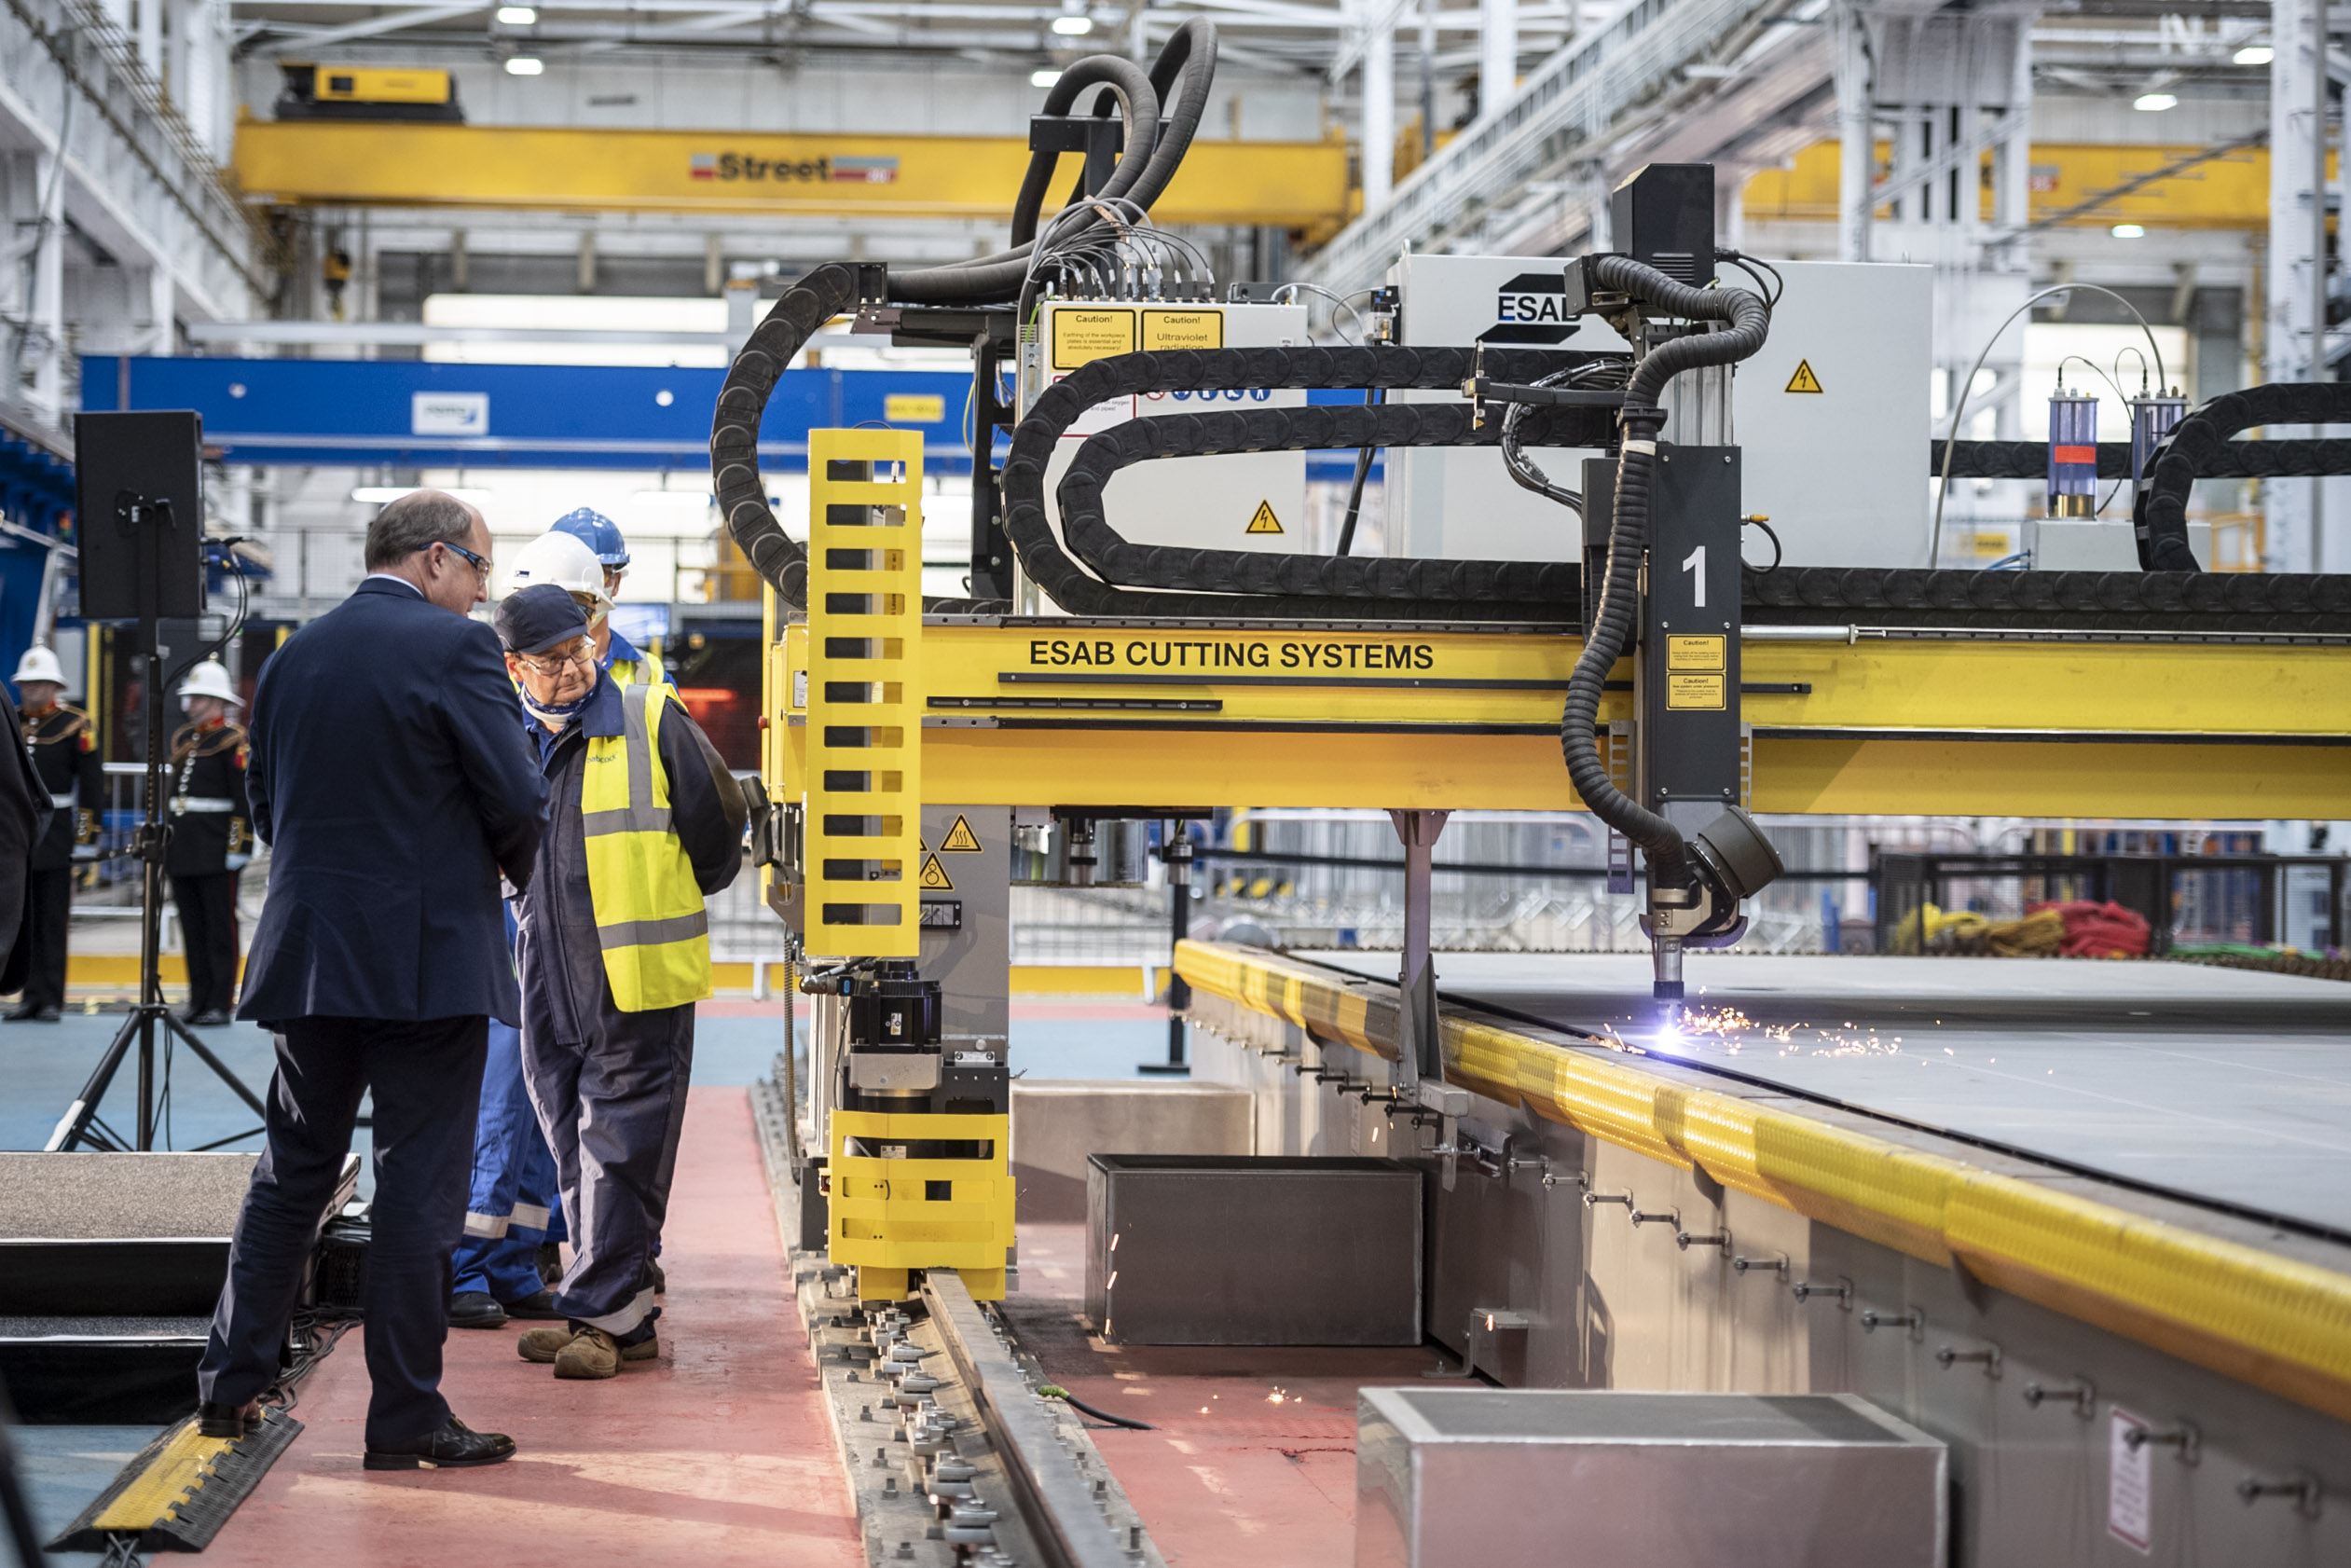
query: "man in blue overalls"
513, 1217
644, 821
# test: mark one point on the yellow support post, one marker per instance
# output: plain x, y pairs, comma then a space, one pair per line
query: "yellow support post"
862, 775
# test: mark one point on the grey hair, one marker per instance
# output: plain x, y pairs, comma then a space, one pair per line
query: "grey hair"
416, 521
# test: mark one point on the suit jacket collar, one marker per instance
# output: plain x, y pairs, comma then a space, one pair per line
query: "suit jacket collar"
402, 589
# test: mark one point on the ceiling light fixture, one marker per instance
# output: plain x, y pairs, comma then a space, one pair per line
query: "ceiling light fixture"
2128, 231
2254, 54
516, 16
1073, 27
526, 66
1043, 78
2155, 102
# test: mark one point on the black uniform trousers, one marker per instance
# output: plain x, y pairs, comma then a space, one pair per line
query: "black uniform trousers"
49, 909
427, 1078
208, 926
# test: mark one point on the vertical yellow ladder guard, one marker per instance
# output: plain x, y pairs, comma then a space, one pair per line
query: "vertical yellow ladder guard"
865, 704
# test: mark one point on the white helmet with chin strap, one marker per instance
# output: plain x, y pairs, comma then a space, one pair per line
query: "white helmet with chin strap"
210, 679
39, 664
564, 560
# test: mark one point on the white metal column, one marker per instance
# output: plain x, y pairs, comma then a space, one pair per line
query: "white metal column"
2302, 537
1378, 105
1497, 53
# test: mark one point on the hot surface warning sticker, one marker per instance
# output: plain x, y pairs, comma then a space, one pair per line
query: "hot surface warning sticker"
961, 839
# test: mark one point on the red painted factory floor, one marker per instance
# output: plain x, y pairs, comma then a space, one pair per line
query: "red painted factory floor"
719, 1452
1252, 1459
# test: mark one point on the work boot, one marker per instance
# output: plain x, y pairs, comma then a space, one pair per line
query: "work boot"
226, 1421
454, 1447
475, 1309
592, 1354
538, 1306
543, 1345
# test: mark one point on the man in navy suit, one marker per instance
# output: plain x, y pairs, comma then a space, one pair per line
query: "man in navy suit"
391, 780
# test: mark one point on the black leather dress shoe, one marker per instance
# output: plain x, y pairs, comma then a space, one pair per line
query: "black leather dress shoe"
454, 1447
28, 1013
213, 1018
475, 1309
537, 1307
226, 1421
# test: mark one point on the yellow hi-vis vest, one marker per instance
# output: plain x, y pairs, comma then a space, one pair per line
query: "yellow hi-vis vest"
628, 672
650, 918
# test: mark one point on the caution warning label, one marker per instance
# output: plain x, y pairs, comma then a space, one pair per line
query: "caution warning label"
961, 839
1264, 521
934, 877
1803, 381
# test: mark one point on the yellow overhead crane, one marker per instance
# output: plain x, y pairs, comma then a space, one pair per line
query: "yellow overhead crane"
744, 173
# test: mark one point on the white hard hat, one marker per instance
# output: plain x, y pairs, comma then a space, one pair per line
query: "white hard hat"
38, 664
210, 679
560, 558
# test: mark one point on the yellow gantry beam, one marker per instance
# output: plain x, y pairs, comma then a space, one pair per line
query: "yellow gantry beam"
2227, 191
402, 163
1067, 712
2269, 1320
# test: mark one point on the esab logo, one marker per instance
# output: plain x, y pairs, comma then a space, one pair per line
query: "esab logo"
821, 169
1531, 309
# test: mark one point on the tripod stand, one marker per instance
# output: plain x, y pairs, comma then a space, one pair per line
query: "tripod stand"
80, 1125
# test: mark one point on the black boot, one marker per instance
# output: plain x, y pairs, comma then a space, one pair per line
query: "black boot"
454, 1447
226, 1421
475, 1309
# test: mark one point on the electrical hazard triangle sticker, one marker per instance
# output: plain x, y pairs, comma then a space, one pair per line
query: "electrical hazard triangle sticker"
1803, 381
934, 878
961, 839
1265, 521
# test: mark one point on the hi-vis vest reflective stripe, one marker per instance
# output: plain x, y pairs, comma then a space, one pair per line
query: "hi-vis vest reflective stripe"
628, 672
649, 919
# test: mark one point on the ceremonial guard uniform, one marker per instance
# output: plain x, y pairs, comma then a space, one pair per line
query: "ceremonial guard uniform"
211, 841
65, 748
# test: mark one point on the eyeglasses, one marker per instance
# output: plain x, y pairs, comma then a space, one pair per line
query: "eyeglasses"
580, 653
481, 565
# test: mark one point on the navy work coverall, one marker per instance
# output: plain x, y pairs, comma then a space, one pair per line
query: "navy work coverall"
609, 1087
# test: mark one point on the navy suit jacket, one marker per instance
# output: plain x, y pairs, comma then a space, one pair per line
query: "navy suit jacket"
392, 785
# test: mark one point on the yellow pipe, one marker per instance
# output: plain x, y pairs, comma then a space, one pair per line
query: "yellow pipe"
2267, 1320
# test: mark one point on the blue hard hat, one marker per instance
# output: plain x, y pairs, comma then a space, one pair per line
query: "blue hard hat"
599, 533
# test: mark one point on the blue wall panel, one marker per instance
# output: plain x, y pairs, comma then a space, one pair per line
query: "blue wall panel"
365, 412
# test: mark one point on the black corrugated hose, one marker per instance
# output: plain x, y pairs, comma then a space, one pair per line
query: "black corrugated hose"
1628, 533
1156, 141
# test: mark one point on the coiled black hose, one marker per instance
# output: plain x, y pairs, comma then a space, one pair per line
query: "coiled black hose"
1629, 534
1277, 586
1155, 145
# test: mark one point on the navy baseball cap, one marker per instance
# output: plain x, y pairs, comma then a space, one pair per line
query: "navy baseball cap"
537, 618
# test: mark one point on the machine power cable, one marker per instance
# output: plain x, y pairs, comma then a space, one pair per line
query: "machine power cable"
1157, 138
1643, 418
1213, 583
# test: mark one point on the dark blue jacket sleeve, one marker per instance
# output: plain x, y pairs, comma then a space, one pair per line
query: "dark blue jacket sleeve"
706, 804
476, 699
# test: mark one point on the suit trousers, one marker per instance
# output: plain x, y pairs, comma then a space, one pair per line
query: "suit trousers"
48, 906
427, 1078
208, 925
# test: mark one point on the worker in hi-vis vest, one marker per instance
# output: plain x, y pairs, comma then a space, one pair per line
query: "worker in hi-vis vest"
644, 821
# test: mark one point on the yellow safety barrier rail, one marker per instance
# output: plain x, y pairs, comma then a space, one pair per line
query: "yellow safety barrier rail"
2264, 1319
885, 1219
